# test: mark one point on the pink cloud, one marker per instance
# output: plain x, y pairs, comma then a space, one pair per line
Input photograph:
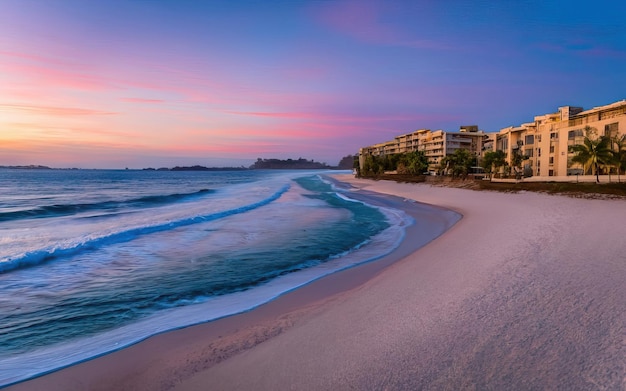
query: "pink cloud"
142, 100
269, 114
63, 144
220, 148
36, 77
342, 117
68, 153
55, 111
52, 146
21, 56
49, 72
43, 72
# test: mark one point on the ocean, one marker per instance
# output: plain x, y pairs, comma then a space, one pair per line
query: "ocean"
95, 260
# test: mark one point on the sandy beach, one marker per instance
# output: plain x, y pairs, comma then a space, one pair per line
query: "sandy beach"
525, 292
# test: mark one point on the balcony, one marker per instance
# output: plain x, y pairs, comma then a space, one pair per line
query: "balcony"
575, 140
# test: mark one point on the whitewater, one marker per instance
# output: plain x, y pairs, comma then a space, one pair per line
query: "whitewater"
92, 261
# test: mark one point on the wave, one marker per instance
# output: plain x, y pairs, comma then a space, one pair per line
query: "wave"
37, 257
72, 209
199, 309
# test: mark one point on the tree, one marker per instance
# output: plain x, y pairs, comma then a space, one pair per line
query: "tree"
516, 160
458, 163
413, 163
371, 165
592, 152
390, 162
487, 162
618, 153
492, 161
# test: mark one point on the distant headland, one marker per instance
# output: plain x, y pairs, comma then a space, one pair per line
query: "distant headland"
196, 168
29, 167
272, 164
346, 163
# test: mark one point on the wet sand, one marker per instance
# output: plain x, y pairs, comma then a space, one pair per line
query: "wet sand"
525, 292
165, 360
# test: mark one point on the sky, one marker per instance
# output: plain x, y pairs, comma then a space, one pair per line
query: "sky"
149, 83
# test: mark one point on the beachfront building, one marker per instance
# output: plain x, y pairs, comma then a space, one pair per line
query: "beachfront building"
545, 143
435, 144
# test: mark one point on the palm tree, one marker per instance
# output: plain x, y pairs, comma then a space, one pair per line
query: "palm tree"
619, 154
592, 152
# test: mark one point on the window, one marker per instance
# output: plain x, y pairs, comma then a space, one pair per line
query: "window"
529, 139
551, 148
550, 172
610, 130
551, 160
538, 138
538, 152
554, 136
528, 153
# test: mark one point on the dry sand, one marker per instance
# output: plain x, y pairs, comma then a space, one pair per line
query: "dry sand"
526, 292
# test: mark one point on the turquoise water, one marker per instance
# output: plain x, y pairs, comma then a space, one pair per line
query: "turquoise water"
89, 258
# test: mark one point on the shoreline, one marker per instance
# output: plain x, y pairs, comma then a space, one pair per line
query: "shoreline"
525, 292
232, 334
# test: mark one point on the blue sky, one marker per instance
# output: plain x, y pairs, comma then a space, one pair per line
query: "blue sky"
115, 84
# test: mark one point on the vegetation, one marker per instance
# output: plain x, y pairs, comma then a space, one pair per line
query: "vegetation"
593, 152
412, 163
516, 160
458, 164
586, 190
492, 161
581, 190
618, 152
373, 165
289, 164
346, 163
409, 163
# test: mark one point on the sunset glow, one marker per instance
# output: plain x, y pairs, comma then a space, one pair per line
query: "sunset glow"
117, 84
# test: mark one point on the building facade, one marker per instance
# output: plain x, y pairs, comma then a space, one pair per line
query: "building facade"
545, 143
435, 144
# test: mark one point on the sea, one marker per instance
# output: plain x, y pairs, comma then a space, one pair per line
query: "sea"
92, 261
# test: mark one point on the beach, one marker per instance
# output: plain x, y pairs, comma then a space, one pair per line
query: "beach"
526, 291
